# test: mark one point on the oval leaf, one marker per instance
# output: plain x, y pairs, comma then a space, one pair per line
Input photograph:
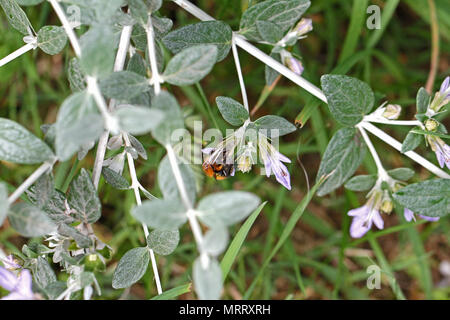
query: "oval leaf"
51, 39
429, 198
227, 207
190, 65
349, 99
217, 33
343, 156
18, 145
131, 268
160, 214
163, 242
30, 221
232, 111
207, 281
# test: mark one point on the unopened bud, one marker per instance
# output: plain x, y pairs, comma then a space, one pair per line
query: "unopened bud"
303, 27
392, 111
387, 206
295, 65
431, 124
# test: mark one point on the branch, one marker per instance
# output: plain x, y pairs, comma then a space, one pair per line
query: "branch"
17, 53
135, 186
29, 181
239, 72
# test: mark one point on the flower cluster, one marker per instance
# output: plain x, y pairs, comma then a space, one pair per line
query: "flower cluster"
379, 202
239, 150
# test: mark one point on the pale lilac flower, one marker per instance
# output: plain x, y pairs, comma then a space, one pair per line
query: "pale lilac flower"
392, 111
295, 65
273, 162
303, 27
10, 263
442, 97
364, 216
409, 216
445, 88
19, 286
441, 149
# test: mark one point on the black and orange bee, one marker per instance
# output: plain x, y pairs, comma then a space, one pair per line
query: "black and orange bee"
217, 170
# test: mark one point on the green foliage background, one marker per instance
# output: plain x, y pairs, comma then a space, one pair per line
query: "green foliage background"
319, 260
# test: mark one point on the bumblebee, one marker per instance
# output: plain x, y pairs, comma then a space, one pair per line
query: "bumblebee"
218, 171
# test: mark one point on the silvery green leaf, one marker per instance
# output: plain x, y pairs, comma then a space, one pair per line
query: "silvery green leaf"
429, 198
139, 11
349, 99
115, 179
131, 268
29, 220
137, 145
83, 198
402, 174
75, 75
18, 145
215, 240
161, 26
422, 100
283, 13
28, 2
228, 207
44, 195
270, 73
217, 33
163, 242
139, 37
361, 183
51, 39
78, 123
412, 141
123, 85
97, 46
153, 5
83, 241
49, 131
55, 289
343, 156
274, 126
167, 182
161, 214
269, 31
190, 65
207, 281
16, 16
138, 120
232, 111
172, 121
43, 273
132, 152
4, 205
147, 194
137, 65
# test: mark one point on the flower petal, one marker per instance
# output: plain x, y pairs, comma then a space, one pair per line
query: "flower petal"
8, 279
282, 175
431, 219
361, 211
359, 227
377, 219
409, 215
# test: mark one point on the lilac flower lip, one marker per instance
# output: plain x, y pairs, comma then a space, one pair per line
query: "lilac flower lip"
409, 216
19, 285
441, 149
368, 214
273, 162
445, 88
